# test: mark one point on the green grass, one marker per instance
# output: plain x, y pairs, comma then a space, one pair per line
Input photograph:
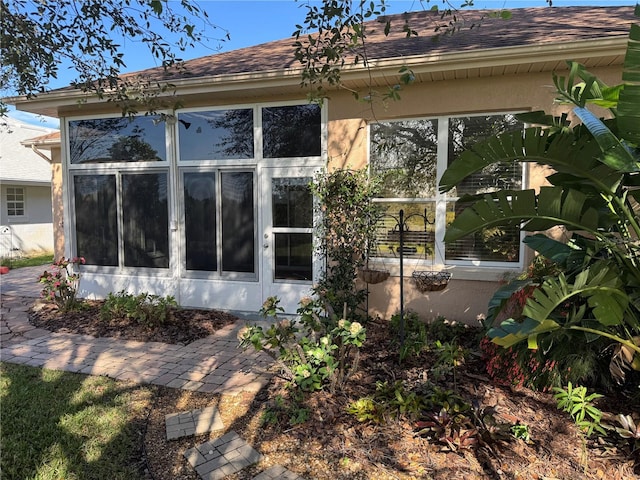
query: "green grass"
42, 259
58, 425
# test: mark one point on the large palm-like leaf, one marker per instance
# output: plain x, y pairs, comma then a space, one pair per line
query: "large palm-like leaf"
629, 100
552, 206
594, 192
566, 152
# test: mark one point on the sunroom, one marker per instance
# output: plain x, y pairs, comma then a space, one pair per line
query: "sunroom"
211, 206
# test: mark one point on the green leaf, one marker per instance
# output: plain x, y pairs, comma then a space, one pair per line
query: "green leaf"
554, 250
614, 153
553, 206
629, 100
511, 332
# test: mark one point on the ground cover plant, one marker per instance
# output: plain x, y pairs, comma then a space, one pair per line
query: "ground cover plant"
64, 425
402, 420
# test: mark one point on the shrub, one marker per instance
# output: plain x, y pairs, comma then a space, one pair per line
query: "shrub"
144, 308
415, 334
60, 285
314, 351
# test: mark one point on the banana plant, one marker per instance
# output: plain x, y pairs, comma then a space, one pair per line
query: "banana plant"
594, 195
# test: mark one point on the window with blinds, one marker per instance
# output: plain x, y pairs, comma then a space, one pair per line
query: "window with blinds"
409, 156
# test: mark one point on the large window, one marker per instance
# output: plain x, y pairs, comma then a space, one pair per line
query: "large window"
410, 156
120, 191
136, 180
224, 195
121, 139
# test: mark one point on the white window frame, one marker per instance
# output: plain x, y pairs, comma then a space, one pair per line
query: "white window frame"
463, 269
13, 217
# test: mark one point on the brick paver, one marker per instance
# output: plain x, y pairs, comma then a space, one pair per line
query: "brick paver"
194, 422
277, 472
213, 365
223, 456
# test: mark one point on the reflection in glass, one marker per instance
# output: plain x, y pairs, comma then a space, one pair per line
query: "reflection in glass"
464, 132
292, 202
405, 154
293, 256
96, 219
121, 139
418, 237
216, 135
495, 244
200, 220
238, 223
292, 131
145, 220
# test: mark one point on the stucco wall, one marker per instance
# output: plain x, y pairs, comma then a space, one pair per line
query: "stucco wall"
58, 209
467, 296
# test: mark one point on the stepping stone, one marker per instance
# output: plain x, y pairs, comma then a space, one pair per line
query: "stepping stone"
194, 422
278, 472
223, 456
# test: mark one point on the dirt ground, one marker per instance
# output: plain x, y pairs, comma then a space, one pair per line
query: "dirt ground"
332, 444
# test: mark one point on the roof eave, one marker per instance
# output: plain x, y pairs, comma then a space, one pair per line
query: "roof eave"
289, 79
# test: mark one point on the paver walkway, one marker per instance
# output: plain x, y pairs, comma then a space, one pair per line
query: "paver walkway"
213, 364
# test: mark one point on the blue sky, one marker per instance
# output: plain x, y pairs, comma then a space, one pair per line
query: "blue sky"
250, 22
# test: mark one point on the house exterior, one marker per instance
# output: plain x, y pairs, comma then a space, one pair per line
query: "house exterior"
213, 204
26, 222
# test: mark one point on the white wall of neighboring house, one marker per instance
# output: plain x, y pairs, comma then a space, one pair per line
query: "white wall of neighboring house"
26, 224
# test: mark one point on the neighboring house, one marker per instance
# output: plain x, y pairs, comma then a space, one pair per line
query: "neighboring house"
25, 191
212, 206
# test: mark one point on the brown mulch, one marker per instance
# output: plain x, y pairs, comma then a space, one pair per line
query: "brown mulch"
332, 445
183, 326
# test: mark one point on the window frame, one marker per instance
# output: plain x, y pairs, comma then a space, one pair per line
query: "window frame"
465, 269
218, 273
12, 217
70, 170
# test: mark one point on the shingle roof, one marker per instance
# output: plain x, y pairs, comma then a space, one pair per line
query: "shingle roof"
526, 27
19, 164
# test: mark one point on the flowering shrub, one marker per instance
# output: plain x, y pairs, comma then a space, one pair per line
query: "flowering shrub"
60, 285
314, 351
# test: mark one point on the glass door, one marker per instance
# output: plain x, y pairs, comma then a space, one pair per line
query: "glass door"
289, 267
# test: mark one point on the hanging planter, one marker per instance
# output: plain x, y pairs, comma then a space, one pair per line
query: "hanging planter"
428, 281
372, 276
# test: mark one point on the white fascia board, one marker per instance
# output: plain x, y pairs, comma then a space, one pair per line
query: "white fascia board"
49, 103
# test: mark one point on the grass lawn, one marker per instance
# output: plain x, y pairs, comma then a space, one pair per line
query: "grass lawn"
43, 259
59, 425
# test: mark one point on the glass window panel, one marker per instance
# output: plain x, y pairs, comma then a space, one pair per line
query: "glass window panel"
293, 131
216, 135
145, 218
418, 233
121, 139
464, 132
292, 202
496, 244
293, 256
96, 219
405, 155
200, 220
15, 201
238, 222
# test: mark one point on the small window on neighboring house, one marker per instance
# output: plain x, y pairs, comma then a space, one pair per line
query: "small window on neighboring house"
15, 202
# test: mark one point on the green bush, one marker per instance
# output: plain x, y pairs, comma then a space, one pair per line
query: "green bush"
315, 351
144, 308
415, 334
